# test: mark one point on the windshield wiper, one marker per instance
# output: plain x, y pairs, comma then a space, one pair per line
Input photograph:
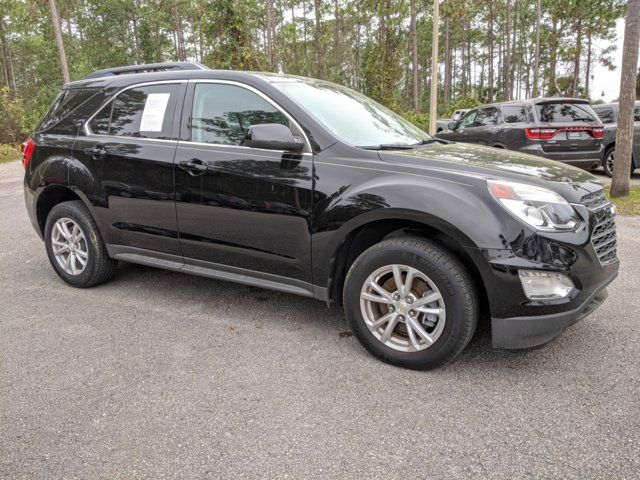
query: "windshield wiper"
399, 146
388, 146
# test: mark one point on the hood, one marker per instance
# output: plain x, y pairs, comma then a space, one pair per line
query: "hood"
490, 162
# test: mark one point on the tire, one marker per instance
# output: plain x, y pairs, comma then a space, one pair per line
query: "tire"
86, 246
446, 279
608, 164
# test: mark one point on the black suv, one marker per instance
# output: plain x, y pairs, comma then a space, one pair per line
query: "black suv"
563, 129
307, 187
608, 113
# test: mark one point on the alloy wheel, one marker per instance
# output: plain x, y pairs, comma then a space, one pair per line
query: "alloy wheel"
403, 308
69, 246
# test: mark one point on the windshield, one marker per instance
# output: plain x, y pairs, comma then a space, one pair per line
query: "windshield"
565, 112
350, 116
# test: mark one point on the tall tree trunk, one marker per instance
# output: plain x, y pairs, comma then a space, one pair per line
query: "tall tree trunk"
552, 87
55, 18
491, 51
271, 27
318, 43
447, 60
536, 65
587, 85
576, 60
414, 57
181, 50
506, 67
7, 61
624, 136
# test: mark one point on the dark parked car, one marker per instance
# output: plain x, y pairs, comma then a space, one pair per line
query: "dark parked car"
307, 187
563, 129
608, 113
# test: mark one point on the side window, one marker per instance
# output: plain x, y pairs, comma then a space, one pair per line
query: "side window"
223, 113
468, 120
145, 112
605, 114
517, 114
487, 117
100, 123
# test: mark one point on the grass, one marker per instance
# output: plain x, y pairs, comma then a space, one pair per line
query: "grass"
10, 158
9, 153
627, 205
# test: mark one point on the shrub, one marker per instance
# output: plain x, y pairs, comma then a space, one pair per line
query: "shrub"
8, 152
14, 125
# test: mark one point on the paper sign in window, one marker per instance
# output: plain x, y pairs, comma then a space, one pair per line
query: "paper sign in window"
153, 113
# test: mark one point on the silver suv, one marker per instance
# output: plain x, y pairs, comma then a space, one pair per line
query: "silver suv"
563, 129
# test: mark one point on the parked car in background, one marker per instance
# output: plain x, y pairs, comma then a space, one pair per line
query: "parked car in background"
563, 129
444, 123
608, 113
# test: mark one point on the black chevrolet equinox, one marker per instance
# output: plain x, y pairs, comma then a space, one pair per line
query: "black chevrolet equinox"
307, 187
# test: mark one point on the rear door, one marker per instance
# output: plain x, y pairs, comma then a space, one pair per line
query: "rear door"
568, 126
129, 146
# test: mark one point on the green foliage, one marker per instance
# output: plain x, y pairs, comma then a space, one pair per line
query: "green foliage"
9, 152
461, 103
420, 120
363, 44
14, 125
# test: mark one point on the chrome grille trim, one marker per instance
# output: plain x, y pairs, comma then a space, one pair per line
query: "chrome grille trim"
604, 240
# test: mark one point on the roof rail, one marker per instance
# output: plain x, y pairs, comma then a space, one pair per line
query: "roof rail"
147, 67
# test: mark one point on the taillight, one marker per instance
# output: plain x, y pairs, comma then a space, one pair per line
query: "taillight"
597, 132
540, 133
28, 146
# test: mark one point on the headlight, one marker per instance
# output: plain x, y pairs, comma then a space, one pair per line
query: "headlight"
541, 208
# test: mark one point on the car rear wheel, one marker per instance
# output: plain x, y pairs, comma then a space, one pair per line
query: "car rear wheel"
608, 162
411, 302
74, 246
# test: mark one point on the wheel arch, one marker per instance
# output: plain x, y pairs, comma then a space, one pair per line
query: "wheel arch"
367, 232
53, 195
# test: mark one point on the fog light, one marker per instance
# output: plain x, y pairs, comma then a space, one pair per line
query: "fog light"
538, 285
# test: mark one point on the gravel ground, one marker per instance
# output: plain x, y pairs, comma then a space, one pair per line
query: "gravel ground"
162, 375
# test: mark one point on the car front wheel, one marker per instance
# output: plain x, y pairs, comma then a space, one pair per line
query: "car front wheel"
411, 302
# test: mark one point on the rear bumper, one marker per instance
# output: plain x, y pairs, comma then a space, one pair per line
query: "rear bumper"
584, 159
527, 332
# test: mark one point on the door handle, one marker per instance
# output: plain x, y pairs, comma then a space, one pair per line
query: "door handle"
95, 152
193, 167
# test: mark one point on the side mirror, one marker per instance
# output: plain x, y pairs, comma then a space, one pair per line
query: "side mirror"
272, 136
451, 126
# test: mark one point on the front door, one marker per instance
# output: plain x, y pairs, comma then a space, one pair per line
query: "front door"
237, 206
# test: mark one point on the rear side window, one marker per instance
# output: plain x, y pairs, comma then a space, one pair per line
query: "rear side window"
66, 102
487, 117
517, 114
143, 112
566, 112
223, 113
605, 114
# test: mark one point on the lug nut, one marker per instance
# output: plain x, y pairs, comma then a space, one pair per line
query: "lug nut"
409, 299
396, 297
401, 318
391, 308
412, 313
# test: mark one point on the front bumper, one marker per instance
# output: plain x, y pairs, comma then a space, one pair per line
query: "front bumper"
527, 332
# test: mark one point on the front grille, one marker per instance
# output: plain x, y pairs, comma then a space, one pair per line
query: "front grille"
604, 240
594, 200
